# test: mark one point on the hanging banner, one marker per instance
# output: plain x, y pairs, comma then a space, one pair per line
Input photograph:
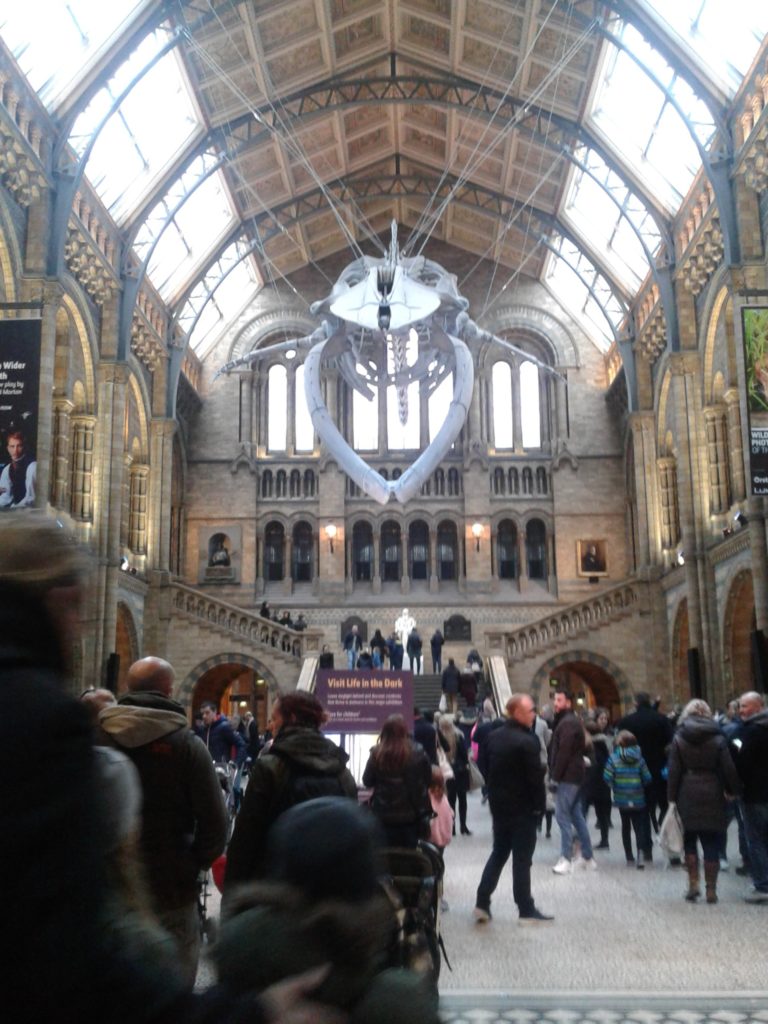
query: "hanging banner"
19, 410
362, 701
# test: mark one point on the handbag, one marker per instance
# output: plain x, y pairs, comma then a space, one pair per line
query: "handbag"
443, 763
671, 833
476, 779
442, 707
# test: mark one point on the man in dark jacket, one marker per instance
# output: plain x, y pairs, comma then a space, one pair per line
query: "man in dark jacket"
424, 733
184, 821
654, 733
436, 642
752, 766
219, 737
450, 685
517, 798
566, 770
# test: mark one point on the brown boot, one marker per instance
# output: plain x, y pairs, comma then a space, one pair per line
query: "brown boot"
711, 870
692, 863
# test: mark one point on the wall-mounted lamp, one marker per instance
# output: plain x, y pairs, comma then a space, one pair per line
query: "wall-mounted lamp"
477, 533
124, 564
330, 533
741, 519
681, 557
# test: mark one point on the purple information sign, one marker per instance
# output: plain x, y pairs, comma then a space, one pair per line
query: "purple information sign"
362, 701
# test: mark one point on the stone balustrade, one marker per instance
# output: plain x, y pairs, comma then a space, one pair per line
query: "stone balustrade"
564, 625
250, 626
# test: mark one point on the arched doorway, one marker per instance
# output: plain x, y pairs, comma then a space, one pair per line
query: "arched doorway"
738, 626
681, 686
591, 684
126, 644
234, 688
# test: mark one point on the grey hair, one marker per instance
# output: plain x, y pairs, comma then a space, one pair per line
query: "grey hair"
696, 707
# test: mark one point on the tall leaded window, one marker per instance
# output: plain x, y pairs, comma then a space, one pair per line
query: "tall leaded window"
274, 549
305, 433
503, 430
418, 550
447, 550
391, 552
530, 411
301, 569
437, 406
365, 421
277, 407
536, 549
506, 548
362, 551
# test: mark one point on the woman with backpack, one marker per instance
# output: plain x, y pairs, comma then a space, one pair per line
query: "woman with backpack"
399, 774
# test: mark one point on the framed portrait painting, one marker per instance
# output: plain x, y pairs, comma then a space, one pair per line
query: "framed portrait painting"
591, 558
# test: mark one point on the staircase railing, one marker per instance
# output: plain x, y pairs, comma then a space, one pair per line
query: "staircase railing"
566, 623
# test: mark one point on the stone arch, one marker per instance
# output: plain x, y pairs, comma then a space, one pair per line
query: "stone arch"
712, 323
126, 642
141, 403
609, 684
544, 328
186, 690
738, 626
287, 321
85, 331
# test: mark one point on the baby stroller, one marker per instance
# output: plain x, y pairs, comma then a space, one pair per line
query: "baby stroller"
413, 883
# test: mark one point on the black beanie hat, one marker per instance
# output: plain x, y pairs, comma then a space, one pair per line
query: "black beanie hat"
326, 847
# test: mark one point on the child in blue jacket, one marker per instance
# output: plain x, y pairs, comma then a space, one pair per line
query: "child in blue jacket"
627, 774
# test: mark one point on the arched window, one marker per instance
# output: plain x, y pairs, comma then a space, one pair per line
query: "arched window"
305, 432
391, 552
499, 481
277, 406
437, 406
506, 549
541, 480
501, 379
295, 484
527, 480
362, 551
365, 421
514, 481
447, 550
274, 547
418, 550
454, 482
536, 549
301, 569
281, 484
439, 482
266, 483
309, 484
530, 413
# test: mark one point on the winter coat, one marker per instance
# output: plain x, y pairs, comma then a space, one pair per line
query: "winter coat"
365, 660
700, 773
441, 826
653, 733
595, 788
220, 739
515, 776
301, 764
460, 763
627, 774
450, 679
436, 642
426, 734
752, 758
280, 934
566, 754
413, 645
184, 821
400, 798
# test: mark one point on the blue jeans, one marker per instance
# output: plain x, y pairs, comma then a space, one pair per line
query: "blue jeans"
351, 655
569, 816
756, 829
516, 836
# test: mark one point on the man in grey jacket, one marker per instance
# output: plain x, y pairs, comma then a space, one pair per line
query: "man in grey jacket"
184, 822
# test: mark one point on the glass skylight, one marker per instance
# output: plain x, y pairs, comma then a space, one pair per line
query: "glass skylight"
638, 120
155, 121
55, 43
724, 36
570, 276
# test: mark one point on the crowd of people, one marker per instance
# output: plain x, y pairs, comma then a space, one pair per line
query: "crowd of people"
107, 911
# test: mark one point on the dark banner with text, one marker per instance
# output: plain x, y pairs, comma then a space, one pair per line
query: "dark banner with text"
363, 701
19, 396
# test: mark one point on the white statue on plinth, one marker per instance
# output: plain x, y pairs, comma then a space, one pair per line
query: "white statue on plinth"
404, 623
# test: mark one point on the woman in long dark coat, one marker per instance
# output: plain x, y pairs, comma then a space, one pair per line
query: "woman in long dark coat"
702, 777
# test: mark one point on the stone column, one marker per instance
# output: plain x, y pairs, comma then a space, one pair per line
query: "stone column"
81, 477
717, 459
52, 293
646, 479
517, 418
434, 581
161, 434
670, 514
59, 491
735, 444
290, 441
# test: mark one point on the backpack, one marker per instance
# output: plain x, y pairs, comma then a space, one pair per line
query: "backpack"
299, 784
